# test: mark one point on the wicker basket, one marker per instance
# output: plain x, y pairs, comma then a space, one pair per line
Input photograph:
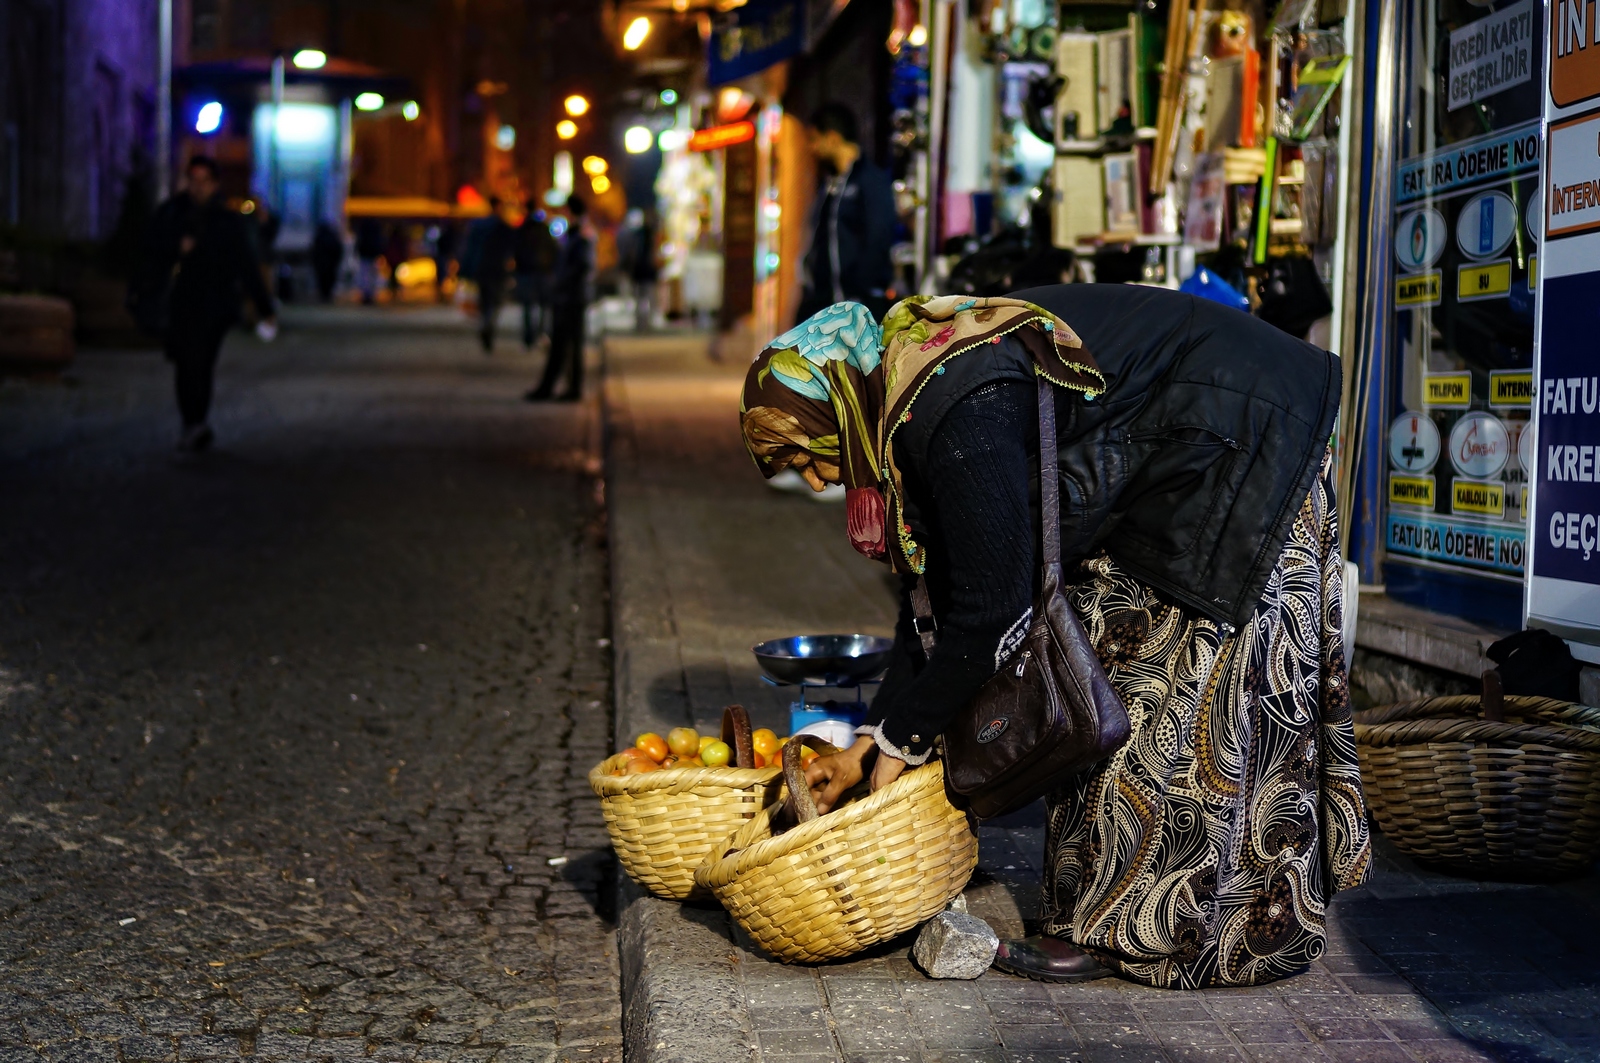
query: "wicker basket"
664, 823
1516, 797
871, 869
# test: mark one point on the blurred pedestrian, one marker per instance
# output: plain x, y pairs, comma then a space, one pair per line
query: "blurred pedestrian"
327, 253
369, 247
444, 249
396, 251
535, 256
489, 246
852, 222
203, 252
643, 269
570, 302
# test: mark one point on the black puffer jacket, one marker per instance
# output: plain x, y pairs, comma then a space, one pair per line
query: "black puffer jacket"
1191, 467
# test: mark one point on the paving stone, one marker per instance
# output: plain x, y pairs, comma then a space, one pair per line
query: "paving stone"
138, 1048
1175, 1034
782, 1044
83, 1051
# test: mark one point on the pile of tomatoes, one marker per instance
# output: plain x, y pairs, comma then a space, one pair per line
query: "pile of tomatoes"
684, 747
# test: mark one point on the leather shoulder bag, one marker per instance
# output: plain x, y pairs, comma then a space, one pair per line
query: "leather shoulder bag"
1050, 712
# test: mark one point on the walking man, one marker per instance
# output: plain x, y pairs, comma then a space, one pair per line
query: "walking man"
206, 251
852, 224
571, 302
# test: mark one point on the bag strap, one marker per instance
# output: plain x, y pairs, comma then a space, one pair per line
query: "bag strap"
1049, 494
922, 620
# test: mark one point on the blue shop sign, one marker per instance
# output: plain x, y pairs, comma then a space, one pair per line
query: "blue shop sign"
1567, 517
1490, 547
751, 38
1491, 157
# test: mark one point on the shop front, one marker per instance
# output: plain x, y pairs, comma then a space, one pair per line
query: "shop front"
1451, 269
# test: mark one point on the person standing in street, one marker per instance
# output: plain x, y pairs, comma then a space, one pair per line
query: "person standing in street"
570, 303
489, 249
852, 223
535, 256
207, 252
643, 270
327, 252
369, 247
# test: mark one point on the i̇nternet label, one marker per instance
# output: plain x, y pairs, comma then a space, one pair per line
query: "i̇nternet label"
1511, 388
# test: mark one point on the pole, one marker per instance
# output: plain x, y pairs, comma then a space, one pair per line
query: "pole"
164, 100
272, 150
938, 87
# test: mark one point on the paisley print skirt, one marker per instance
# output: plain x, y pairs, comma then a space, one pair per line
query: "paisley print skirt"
1205, 851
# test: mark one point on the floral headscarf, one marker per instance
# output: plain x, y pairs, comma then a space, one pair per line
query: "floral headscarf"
825, 397
813, 399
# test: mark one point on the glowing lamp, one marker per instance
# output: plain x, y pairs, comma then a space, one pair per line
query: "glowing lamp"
505, 138
209, 120
310, 59
635, 34
637, 140
411, 110
600, 183
576, 105
566, 129
668, 97
369, 101
594, 165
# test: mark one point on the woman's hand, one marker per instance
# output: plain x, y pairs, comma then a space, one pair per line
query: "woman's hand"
830, 776
886, 771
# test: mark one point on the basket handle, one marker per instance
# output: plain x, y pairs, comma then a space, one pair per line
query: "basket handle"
802, 806
1494, 701
736, 732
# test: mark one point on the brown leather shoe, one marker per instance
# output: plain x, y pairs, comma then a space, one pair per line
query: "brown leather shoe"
1048, 959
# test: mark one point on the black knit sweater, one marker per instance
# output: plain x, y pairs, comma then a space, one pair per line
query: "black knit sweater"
973, 493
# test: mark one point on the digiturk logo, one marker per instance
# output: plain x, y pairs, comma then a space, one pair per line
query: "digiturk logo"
993, 729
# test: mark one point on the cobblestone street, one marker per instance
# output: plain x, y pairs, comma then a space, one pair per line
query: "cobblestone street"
293, 738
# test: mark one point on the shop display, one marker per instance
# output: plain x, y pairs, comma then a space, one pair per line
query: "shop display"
1461, 300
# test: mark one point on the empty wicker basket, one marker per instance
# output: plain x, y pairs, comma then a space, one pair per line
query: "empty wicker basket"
1516, 797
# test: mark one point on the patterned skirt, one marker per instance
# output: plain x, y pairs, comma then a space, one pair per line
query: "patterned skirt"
1204, 852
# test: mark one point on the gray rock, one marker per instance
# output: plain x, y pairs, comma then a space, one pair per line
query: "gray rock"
955, 945
959, 904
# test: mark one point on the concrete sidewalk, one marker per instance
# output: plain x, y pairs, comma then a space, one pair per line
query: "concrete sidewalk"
706, 560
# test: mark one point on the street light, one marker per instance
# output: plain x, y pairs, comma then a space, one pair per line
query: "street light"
635, 34
209, 120
369, 101
594, 165
411, 110
576, 105
310, 59
566, 129
637, 140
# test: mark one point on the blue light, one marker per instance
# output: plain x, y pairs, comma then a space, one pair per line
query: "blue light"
209, 120
668, 97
